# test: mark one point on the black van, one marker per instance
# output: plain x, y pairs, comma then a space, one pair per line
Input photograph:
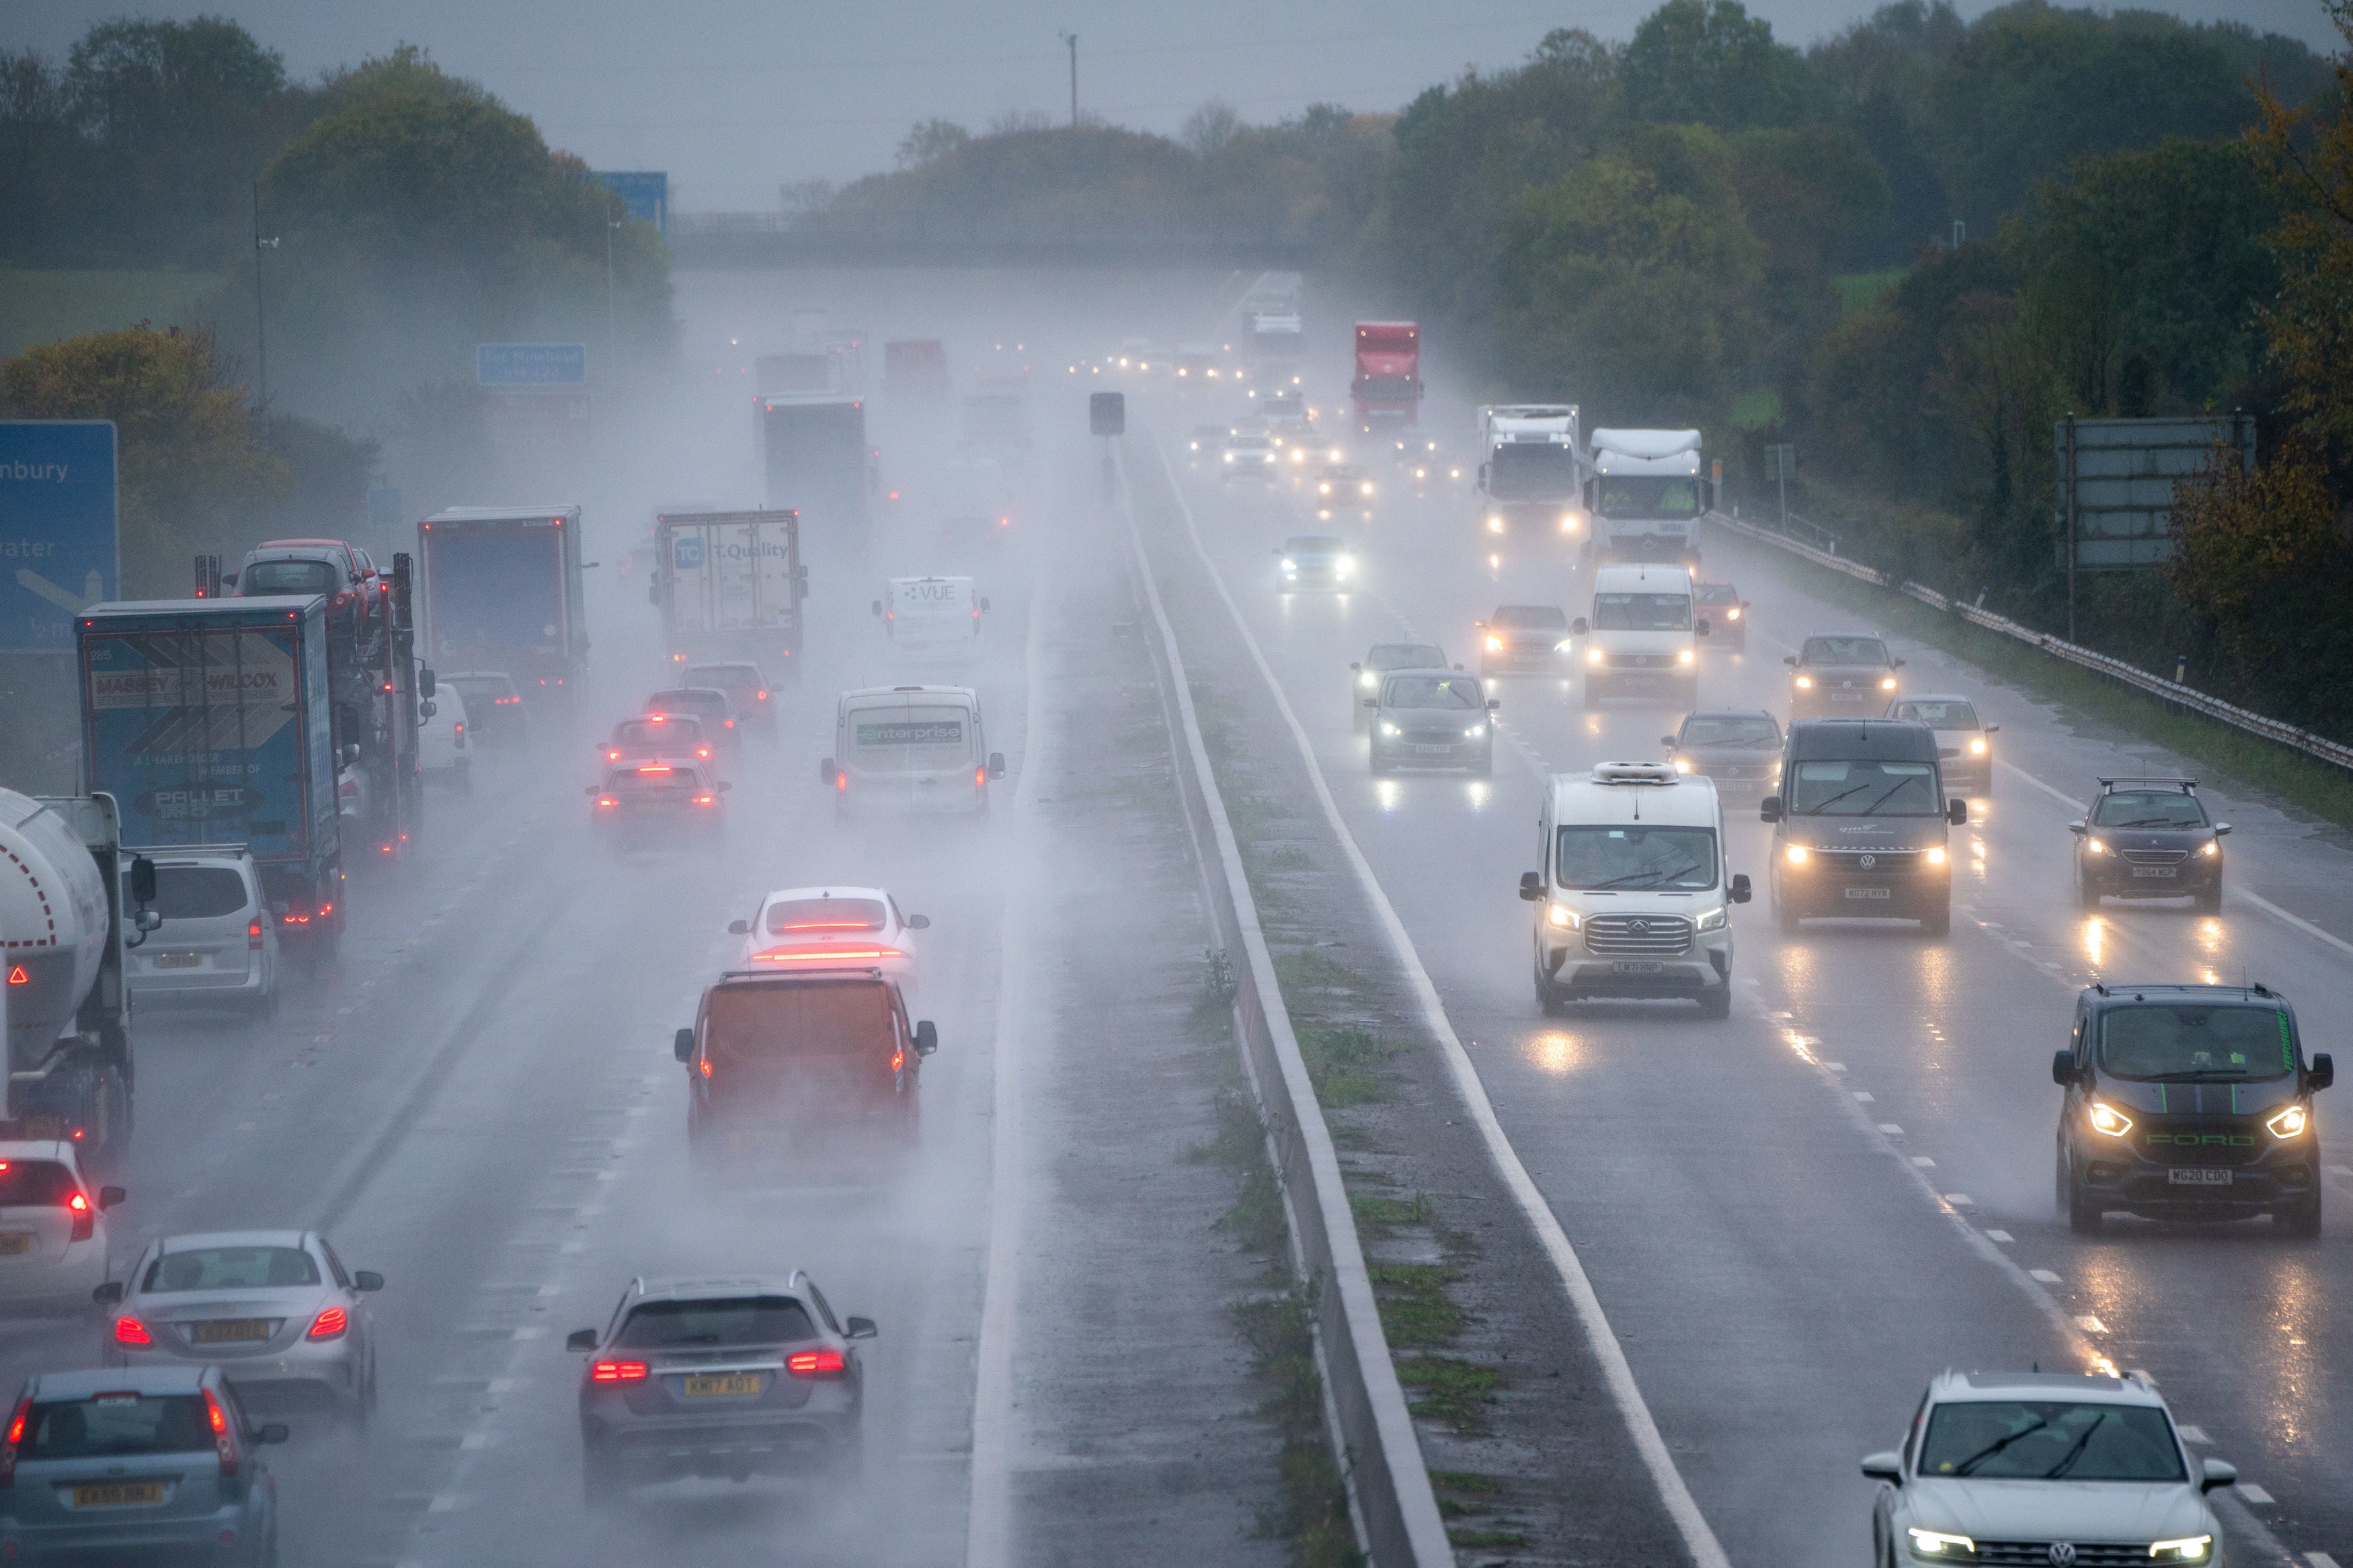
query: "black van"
779, 1060
1859, 825
2188, 1102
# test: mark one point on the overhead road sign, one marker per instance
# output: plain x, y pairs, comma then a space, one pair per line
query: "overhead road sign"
645, 195
60, 540
531, 364
2116, 478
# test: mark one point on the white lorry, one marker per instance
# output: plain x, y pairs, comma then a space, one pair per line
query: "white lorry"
1646, 495
1531, 474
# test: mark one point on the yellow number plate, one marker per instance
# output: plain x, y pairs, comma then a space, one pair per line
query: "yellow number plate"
121, 1494
719, 1384
14, 1242
232, 1330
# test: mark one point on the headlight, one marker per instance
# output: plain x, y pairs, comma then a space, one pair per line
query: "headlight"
1560, 916
2189, 1548
1289, 564
1366, 488
1936, 857
1388, 727
1711, 920
1230, 457
2094, 847
1682, 765
1474, 732
1495, 645
1887, 683
2290, 1122
1568, 522
1937, 1543
2212, 848
1368, 681
1795, 854
1977, 747
1324, 489
1686, 656
1594, 655
1733, 613
1805, 683
1494, 525
1346, 564
2107, 1120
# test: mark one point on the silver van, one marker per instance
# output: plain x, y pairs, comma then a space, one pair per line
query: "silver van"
910, 748
217, 941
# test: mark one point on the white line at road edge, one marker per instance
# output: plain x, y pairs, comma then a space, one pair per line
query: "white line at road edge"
1698, 1539
988, 1517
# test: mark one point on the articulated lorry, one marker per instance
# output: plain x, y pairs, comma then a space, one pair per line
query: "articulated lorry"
503, 596
65, 876
1531, 473
819, 462
730, 585
1387, 387
1646, 495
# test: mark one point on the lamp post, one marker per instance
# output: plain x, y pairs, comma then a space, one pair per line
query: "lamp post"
260, 313
1072, 41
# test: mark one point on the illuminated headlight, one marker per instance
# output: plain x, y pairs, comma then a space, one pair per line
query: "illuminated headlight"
1712, 920
1560, 916
1682, 765
1418, 474
1733, 613
1936, 855
1569, 520
1937, 1543
1805, 683
1977, 747
1686, 656
2290, 1122
1454, 473
1795, 854
1474, 732
2189, 1548
1195, 445
2094, 847
1368, 681
1388, 727
1298, 454
2211, 847
1566, 644
1366, 488
2107, 1120
1494, 525
1325, 487
1346, 564
1887, 683
1594, 655
1230, 457
1495, 645
1289, 564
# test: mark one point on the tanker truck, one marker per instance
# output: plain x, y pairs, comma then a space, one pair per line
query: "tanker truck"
63, 933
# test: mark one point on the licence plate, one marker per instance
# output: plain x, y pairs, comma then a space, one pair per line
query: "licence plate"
15, 1243
231, 1331
1846, 696
179, 960
2155, 870
119, 1494
1870, 893
1637, 966
1441, 747
2195, 1176
721, 1385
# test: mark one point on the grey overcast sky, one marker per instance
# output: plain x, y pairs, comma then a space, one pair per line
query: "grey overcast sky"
734, 98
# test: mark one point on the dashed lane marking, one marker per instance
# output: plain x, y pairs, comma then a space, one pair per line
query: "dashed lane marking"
1891, 1130
2001, 1236
2250, 1492
2050, 1278
2193, 1434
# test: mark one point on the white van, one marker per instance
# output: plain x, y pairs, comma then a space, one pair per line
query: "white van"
932, 617
910, 747
1641, 635
218, 941
1634, 896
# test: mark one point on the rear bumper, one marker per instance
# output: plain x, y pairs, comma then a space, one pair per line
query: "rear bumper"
195, 1538
62, 1286
660, 1450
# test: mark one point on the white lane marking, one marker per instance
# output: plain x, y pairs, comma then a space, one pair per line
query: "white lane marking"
444, 1503
475, 1440
1924, 1162
2050, 1278
1861, 1098
2320, 1559
1891, 1130
2001, 1236
1698, 1539
2250, 1492
2235, 889
1960, 1200
988, 1519
2193, 1434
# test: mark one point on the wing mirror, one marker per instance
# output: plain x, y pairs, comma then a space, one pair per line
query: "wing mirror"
142, 879
877, 606
1579, 627
681, 1044
1372, 701
146, 921
1769, 809
919, 923
1532, 886
1492, 704
275, 1432
110, 1196
366, 1280
426, 683
2078, 828
2062, 1070
1790, 659
2221, 829
1741, 891
927, 1037
858, 1328
1668, 742
2215, 1473
1894, 664
2321, 1073
983, 606
426, 709
739, 928
1993, 729
1956, 812
593, 789
580, 1340
1355, 669
996, 764
721, 787
1888, 1467
826, 770
108, 1294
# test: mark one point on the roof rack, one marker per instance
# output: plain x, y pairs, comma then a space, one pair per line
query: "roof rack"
2184, 785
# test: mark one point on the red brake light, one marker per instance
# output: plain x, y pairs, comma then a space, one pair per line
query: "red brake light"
898, 1059
616, 1372
656, 768
815, 1364
705, 799
763, 697
253, 936
16, 1436
224, 1440
606, 801
704, 1063
85, 1221
131, 1332
611, 755
329, 1325
980, 776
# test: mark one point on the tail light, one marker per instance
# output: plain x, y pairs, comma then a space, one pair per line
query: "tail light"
253, 936
130, 1331
979, 777
606, 801
329, 1325
611, 755
815, 1364
706, 799
85, 1220
898, 1059
841, 781
16, 1436
763, 696
224, 1440
616, 1372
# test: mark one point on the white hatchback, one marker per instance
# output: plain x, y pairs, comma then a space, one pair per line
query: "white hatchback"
217, 941
2044, 1467
52, 1228
807, 928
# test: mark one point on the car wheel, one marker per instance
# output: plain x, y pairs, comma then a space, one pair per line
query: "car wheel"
2210, 900
1787, 918
600, 1482
1937, 921
1485, 766
1378, 763
2087, 896
267, 1556
465, 775
1716, 1003
2083, 1211
2301, 1221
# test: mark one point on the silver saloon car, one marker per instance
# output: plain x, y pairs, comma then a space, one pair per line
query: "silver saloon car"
275, 1309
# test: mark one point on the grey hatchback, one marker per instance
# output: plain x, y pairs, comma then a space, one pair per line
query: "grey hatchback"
155, 1462
721, 1378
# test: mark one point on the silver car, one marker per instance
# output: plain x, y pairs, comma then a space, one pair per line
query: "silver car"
150, 1463
276, 1310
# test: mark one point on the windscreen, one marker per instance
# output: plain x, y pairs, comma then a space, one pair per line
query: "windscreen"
484, 689
35, 1183
2168, 1044
1405, 656
1671, 496
749, 1025
824, 917
1642, 613
289, 577
1532, 471
1717, 594
726, 677
1250, 443
1755, 730
910, 740
1312, 544
1865, 789
108, 1425
1455, 692
1939, 715
1844, 650
2032, 1440
197, 892
2168, 808
1533, 617
718, 1324
1636, 859
681, 732
230, 1268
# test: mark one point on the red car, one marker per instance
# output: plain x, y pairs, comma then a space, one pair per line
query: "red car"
1726, 613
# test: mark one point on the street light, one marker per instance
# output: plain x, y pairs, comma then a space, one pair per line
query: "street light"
260, 315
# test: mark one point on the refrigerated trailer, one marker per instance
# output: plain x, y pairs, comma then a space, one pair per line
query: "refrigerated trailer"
819, 463
730, 585
502, 594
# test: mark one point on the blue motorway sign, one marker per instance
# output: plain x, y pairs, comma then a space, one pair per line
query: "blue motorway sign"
531, 364
58, 549
644, 196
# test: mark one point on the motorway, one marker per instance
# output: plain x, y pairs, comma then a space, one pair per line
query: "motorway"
1794, 1219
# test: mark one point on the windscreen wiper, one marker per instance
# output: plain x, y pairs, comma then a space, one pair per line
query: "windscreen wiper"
1872, 808
1968, 1465
2203, 1075
1836, 798
2067, 1460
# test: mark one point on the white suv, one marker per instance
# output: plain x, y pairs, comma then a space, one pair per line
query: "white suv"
2043, 1468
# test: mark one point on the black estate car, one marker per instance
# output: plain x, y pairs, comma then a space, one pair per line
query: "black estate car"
2148, 838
